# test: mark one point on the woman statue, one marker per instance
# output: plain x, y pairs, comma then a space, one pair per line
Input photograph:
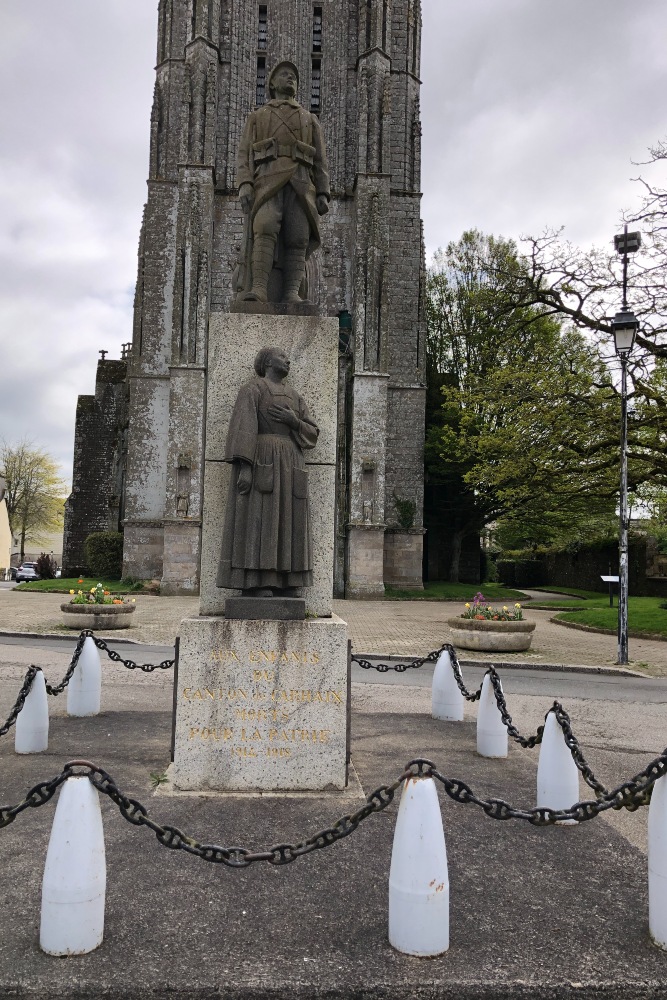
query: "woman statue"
266, 541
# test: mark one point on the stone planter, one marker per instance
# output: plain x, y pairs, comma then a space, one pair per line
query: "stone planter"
97, 616
490, 636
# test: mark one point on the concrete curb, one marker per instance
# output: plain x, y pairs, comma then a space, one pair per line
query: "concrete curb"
507, 665
74, 637
389, 657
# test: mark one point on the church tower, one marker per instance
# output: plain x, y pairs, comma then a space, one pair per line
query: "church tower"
358, 63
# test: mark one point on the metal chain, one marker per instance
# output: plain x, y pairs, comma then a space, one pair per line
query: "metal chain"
458, 676
130, 664
572, 743
39, 795
630, 795
30, 675
170, 836
528, 742
59, 688
56, 689
400, 668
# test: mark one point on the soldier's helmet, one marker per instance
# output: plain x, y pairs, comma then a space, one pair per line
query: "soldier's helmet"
285, 62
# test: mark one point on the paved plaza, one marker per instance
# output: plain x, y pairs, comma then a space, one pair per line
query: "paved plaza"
403, 628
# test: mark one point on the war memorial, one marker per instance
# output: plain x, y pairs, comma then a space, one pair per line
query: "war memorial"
251, 443
142, 443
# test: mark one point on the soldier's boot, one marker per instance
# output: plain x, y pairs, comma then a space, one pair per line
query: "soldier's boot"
262, 264
294, 269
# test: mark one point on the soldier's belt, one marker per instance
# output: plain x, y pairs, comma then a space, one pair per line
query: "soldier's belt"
268, 149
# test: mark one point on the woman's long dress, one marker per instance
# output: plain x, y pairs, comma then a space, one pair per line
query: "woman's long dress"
266, 540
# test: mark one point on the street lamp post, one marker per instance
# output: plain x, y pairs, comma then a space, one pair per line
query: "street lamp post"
624, 327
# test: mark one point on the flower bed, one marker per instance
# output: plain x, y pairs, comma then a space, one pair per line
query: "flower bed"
488, 629
96, 609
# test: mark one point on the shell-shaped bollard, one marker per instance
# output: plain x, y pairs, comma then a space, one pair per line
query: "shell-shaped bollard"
492, 740
74, 884
84, 691
32, 723
557, 773
446, 699
657, 864
418, 876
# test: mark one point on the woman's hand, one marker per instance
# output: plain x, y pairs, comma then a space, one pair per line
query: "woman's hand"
244, 482
284, 415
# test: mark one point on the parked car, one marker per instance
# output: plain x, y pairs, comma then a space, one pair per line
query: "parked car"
27, 571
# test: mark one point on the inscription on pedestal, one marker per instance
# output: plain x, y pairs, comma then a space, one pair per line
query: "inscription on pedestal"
264, 715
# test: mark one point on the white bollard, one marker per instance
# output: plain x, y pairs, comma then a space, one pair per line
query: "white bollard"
492, 737
557, 774
32, 723
446, 699
657, 864
84, 691
418, 876
74, 885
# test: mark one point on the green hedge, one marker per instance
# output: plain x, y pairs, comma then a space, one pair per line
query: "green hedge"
521, 572
104, 554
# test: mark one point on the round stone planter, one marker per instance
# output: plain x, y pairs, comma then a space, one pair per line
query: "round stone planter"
97, 616
491, 637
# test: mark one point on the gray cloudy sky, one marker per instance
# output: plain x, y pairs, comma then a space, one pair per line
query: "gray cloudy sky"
532, 114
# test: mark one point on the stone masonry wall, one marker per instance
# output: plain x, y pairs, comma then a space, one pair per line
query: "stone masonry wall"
95, 503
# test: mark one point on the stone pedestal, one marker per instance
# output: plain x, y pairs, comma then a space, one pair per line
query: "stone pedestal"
403, 557
312, 345
261, 705
365, 562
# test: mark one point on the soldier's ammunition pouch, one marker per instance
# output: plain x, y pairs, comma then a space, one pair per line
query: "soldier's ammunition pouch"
269, 149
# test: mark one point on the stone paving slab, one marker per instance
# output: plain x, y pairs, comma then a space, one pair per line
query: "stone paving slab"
409, 628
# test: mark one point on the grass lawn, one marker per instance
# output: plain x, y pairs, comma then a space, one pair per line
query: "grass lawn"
441, 590
574, 592
63, 586
644, 615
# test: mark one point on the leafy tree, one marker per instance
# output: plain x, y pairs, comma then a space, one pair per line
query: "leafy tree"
584, 286
519, 410
34, 491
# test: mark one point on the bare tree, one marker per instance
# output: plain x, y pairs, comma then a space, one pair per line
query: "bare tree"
34, 491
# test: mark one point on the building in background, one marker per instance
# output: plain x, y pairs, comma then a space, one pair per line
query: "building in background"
358, 62
100, 452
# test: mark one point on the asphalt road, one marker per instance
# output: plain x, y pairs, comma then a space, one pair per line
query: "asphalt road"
546, 684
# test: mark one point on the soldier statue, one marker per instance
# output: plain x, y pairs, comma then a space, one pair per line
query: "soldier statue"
283, 182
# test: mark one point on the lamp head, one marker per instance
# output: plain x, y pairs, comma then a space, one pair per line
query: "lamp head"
624, 326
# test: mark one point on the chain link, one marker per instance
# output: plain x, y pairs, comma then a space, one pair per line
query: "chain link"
39, 795
59, 688
130, 664
56, 689
528, 742
30, 675
572, 743
631, 795
400, 668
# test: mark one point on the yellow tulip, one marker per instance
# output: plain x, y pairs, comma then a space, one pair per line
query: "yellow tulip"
71, 591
